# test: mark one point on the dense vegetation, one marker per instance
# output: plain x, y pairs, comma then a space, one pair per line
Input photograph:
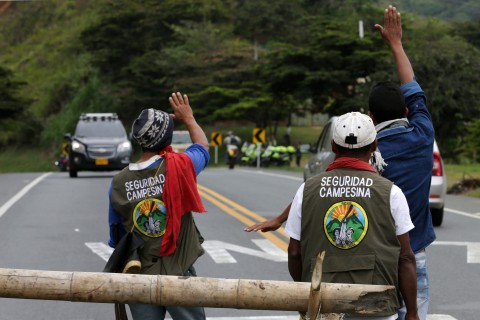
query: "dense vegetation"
251, 60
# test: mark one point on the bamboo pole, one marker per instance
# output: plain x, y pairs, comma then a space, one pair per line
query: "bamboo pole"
315, 299
190, 291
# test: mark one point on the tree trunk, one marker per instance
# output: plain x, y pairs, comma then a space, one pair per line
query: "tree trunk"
190, 291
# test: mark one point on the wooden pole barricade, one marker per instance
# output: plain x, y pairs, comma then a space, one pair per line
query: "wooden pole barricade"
194, 291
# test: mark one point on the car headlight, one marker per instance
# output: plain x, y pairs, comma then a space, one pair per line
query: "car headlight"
78, 147
124, 147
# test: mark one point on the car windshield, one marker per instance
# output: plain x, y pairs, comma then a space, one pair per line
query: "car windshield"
181, 137
103, 129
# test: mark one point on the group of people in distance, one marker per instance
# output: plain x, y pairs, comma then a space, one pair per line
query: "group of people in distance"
369, 212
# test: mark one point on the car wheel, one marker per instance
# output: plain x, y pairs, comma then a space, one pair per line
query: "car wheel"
437, 216
73, 173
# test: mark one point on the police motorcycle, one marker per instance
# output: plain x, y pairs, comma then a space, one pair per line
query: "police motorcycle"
267, 156
250, 154
232, 155
280, 156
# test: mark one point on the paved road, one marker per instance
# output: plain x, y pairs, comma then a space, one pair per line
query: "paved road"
52, 222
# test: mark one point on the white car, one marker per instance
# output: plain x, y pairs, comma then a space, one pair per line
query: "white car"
180, 140
323, 155
438, 187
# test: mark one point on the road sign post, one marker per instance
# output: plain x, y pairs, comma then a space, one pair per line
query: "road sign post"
259, 137
215, 141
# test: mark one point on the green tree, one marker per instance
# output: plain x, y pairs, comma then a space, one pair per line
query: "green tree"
470, 144
469, 30
446, 66
264, 21
17, 124
147, 49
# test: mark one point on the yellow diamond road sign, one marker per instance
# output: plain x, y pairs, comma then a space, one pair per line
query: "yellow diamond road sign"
259, 135
65, 148
216, 139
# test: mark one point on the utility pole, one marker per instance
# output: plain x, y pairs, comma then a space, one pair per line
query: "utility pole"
360, 29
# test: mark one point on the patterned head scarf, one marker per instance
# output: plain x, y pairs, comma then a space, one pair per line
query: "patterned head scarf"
153, 129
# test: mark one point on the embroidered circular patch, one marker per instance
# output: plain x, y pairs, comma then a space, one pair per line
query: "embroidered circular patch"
149, 217
345, 224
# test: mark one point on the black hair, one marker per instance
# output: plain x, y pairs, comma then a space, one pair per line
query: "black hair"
354, 153
386, 102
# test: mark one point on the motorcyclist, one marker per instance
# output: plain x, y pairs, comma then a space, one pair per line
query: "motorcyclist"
232, 139
232, 143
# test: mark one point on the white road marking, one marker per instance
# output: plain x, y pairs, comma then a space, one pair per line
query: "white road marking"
271, 174
21, 193
218, 250
100, 249
462, 213
473, 249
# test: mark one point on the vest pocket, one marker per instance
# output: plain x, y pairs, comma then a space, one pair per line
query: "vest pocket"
351, 268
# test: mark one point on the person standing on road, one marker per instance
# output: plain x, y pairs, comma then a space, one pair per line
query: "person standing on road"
405, 139
145, 199
360, 219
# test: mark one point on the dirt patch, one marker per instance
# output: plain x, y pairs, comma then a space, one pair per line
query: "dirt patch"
466, 184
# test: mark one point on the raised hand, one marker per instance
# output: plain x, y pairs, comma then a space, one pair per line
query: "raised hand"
181, 107
391, 30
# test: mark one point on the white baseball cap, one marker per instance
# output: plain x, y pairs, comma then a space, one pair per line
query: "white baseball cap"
354, 130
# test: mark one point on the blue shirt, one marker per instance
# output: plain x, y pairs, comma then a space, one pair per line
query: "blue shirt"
408, 152
200, 158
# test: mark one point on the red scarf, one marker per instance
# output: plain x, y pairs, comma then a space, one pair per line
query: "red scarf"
180, 195
351, 163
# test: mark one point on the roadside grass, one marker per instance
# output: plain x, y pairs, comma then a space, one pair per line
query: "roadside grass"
23, 159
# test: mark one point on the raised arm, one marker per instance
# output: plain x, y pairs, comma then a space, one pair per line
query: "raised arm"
391, 32
183, 112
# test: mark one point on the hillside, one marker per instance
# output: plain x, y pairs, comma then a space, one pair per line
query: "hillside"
255, 61
449, 10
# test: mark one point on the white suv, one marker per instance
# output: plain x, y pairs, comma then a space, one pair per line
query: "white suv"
323, 155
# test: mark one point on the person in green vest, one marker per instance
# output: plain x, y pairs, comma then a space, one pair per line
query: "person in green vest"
358, 218
399, 138
145, 201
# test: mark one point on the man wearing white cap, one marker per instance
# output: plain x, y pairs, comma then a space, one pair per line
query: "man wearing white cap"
360, 219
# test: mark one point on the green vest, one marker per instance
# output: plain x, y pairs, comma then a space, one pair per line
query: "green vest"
346, 213
137, 198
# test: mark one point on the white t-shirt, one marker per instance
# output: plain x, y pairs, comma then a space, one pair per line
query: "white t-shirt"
398, 207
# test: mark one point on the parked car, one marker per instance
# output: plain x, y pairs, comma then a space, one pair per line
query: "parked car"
438, 187
100, 143
323, 155
180, 140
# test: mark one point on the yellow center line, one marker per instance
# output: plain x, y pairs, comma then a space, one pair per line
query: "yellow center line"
232, 208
